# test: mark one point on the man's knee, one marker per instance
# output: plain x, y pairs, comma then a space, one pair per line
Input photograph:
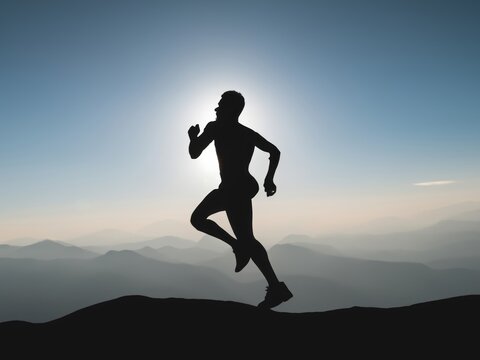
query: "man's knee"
197, 220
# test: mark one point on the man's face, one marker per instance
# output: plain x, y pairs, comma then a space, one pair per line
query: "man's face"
225, 111
220, 110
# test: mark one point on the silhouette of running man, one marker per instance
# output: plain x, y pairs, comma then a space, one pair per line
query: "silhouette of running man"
234, 144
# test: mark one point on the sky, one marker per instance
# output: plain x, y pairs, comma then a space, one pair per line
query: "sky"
373, 104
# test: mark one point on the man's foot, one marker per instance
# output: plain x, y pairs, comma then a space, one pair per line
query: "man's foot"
242, 255
276, 294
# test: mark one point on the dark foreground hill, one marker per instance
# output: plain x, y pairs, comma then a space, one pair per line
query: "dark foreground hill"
143, 325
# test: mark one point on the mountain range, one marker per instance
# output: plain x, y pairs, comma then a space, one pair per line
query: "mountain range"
47, 279
319, 281
443, 240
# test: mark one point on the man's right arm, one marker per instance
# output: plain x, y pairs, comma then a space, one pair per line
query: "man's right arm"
199, 143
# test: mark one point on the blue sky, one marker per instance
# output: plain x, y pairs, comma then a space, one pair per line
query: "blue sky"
364, 99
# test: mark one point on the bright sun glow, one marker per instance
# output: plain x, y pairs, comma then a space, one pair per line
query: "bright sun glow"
208, 164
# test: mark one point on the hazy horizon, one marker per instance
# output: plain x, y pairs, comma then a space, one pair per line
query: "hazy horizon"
181, 228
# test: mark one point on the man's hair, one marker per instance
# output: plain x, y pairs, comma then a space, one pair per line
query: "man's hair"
234, 101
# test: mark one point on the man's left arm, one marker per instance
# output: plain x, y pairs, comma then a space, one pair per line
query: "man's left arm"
267, 146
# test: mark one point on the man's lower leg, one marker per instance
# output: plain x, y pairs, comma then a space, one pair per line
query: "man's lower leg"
260, 258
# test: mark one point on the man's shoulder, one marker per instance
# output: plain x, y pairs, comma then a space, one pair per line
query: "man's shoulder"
247, 130
211, 126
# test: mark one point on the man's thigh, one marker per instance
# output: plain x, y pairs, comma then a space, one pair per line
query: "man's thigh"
214, 202
239, 213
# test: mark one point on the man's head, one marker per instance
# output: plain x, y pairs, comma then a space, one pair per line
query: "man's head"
230, 106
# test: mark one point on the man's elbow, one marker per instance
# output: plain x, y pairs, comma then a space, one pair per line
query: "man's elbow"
194, 154
193, 151
275, 153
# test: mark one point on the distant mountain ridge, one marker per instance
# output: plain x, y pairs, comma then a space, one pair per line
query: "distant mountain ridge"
46, 250
444, 239
154, 243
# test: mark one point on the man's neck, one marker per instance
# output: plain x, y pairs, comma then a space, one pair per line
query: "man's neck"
229, 120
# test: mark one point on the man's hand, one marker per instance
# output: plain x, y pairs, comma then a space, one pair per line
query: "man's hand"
270, 187
193, 131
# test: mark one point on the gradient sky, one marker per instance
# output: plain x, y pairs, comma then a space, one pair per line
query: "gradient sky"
365, 99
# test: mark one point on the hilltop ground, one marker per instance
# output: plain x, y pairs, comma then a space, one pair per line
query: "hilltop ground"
138, 324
